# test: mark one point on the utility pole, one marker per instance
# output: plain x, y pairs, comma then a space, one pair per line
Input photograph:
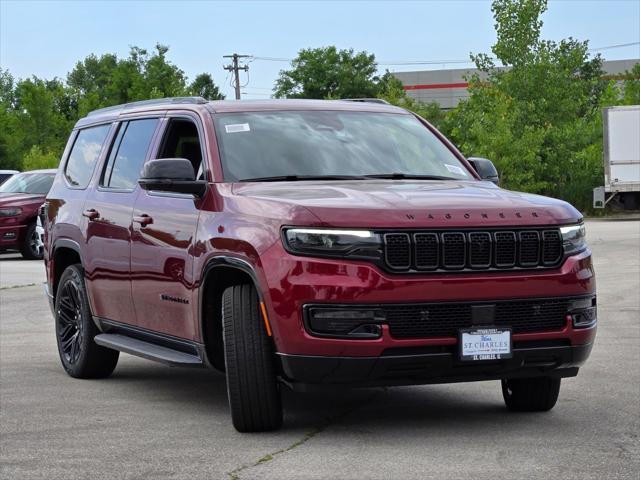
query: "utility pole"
236, 68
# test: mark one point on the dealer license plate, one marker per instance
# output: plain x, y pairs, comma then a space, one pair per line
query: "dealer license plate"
485, 344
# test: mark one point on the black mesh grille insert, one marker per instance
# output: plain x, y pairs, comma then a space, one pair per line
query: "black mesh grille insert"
453, 250
529, 248
478, 250
426, 245
397, 250
444, 319
505, 249
551, 247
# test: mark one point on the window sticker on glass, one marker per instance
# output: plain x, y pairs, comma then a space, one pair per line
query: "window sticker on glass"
455, 169
237, 127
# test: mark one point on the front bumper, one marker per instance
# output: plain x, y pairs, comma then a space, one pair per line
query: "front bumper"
530, 359
11, 236
290, 282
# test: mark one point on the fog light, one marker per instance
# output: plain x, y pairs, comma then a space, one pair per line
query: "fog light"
356, 323
584, 312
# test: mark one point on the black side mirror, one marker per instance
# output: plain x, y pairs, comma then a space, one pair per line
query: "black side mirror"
171, 175
485, 168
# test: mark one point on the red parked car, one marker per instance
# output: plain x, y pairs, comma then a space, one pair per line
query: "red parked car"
21, 196
305, 244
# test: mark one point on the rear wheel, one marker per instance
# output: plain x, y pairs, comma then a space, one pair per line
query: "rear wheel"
530, 394
252, 387
81, 357
31, 245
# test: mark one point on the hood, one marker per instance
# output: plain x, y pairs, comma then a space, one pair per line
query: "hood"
18, 199
409, 203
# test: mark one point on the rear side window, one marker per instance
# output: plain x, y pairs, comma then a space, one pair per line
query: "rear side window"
128, 154
84, 155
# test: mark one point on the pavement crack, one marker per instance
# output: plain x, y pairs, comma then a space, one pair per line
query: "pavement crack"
328, 421
18, 286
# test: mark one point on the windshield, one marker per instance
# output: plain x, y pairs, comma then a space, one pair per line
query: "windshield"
258, 145
34, 183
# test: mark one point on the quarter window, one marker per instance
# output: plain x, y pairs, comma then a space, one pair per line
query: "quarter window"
129, 153
84, 155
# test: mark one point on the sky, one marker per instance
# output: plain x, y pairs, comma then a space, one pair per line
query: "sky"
47, 38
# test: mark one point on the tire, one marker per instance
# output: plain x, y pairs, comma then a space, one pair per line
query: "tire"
530, 394
252, 387
30, 249
81, 357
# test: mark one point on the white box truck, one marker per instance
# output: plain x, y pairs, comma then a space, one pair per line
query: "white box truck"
621, 127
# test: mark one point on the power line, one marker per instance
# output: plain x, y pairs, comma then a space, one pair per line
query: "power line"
614, 46
438, 62
235, 68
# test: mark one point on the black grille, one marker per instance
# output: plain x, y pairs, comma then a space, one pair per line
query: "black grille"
397, 250
453, 250
426, 245
551, 247
480, 249
505, 256
529, 249
444, 319
477, 250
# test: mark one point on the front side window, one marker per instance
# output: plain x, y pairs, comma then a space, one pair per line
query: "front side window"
263, 145
33, 183
182, 141
84, 155
128, 154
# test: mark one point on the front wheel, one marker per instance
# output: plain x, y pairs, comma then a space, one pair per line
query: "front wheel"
252, 386
81, 357
530, 394
31, 248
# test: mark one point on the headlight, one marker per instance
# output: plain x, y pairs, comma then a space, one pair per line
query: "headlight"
10, 212
330, 242
573, 238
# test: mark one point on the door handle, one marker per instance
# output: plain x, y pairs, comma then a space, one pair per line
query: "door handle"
143, 220
91, 214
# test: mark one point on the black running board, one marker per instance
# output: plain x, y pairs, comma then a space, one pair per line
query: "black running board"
147, 350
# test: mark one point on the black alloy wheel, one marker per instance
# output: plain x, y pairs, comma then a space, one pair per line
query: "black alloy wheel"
80, 355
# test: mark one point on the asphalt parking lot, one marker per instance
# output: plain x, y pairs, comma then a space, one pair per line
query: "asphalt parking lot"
151, 421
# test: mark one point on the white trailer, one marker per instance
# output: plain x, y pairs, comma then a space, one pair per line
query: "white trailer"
621, 127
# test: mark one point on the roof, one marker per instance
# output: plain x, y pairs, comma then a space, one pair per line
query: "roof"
226, 106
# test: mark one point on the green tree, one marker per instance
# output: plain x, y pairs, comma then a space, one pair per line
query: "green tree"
8, 144
630, 94
37, 115
36, 158
107, 80
203, 86
538, 118
328, 73
392, 90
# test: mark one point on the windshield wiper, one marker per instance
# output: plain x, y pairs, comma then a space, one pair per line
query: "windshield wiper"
401, 176
293, 178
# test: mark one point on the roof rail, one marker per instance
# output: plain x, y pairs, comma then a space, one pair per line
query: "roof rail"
366, 100
156, 101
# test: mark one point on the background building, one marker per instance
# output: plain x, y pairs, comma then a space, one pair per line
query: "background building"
448, 87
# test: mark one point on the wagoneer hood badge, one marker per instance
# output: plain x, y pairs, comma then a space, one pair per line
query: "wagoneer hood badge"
407, 203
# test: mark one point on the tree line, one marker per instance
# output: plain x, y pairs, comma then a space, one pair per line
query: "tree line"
37, 114
536, 110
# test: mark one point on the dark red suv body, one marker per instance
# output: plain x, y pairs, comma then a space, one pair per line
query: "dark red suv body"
360, 280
